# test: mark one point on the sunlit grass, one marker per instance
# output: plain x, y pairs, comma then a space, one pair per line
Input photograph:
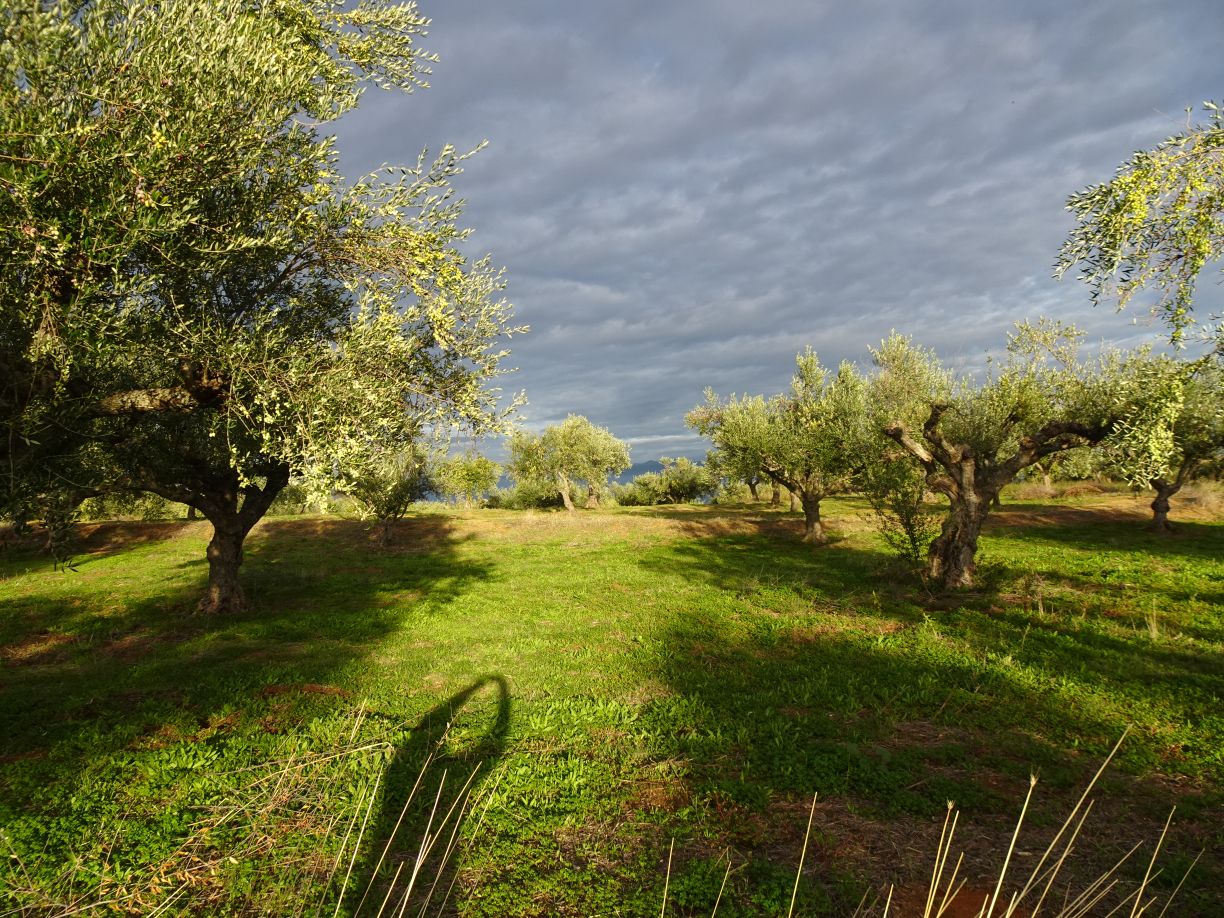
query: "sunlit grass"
691, 674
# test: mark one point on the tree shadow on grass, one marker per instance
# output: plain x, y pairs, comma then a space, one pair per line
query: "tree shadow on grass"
107, 668
704, 521
27, 551
838, 576
1106, 529
1121, 569
100, 540
804, 687
1186, 679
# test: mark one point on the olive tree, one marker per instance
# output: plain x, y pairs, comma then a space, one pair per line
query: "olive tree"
798, 439
901, 389
194, 301
1157, 223
680, 481
731, 468
390, 481
683, 481
465, 476
1174, 428
1066, 464
574, 450
976, 437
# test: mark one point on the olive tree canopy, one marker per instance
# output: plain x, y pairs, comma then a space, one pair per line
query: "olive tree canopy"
574, 450
803, 440
1156, 224
193, 300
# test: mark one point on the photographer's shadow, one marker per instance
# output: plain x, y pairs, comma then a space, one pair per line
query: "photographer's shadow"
414, 845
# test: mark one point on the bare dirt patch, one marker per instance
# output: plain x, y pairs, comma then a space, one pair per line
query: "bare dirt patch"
900, 852
924, 733
137, 644
1055, 514
23, 756
969, 902
41, 649
105, 538
658, 795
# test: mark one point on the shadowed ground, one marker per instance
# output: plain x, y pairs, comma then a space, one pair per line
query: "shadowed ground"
671, 673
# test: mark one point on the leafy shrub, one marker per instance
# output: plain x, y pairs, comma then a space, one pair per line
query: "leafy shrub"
732, 492
527, 495
681, 481
1079, 489
896, 489
129, 505
291, 501
645, 490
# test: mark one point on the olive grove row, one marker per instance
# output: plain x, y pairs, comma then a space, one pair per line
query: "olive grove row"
912, 425
195, 303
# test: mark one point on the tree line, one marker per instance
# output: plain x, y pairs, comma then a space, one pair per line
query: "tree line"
911, 426
196, 303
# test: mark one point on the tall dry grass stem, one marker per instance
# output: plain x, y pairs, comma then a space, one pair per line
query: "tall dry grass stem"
1047, 869
802, 854
667, 877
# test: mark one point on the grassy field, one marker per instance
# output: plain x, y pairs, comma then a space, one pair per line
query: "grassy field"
624, 679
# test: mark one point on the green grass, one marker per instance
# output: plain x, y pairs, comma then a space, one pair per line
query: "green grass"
623, 678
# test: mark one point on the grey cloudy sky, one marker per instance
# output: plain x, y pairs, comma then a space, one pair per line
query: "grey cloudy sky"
684, 194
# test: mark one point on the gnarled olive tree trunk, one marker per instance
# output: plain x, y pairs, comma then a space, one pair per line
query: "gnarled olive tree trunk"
233, 509
950, 558
752, 489
972, 483
592, 500
813, 528
224, 593
808, 490
775, 496
563, 487
1165, 489
1160, 506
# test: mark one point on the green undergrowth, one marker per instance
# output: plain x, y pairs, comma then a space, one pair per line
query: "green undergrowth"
619, 681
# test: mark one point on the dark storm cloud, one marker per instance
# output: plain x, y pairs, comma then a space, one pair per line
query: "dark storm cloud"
686, 194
